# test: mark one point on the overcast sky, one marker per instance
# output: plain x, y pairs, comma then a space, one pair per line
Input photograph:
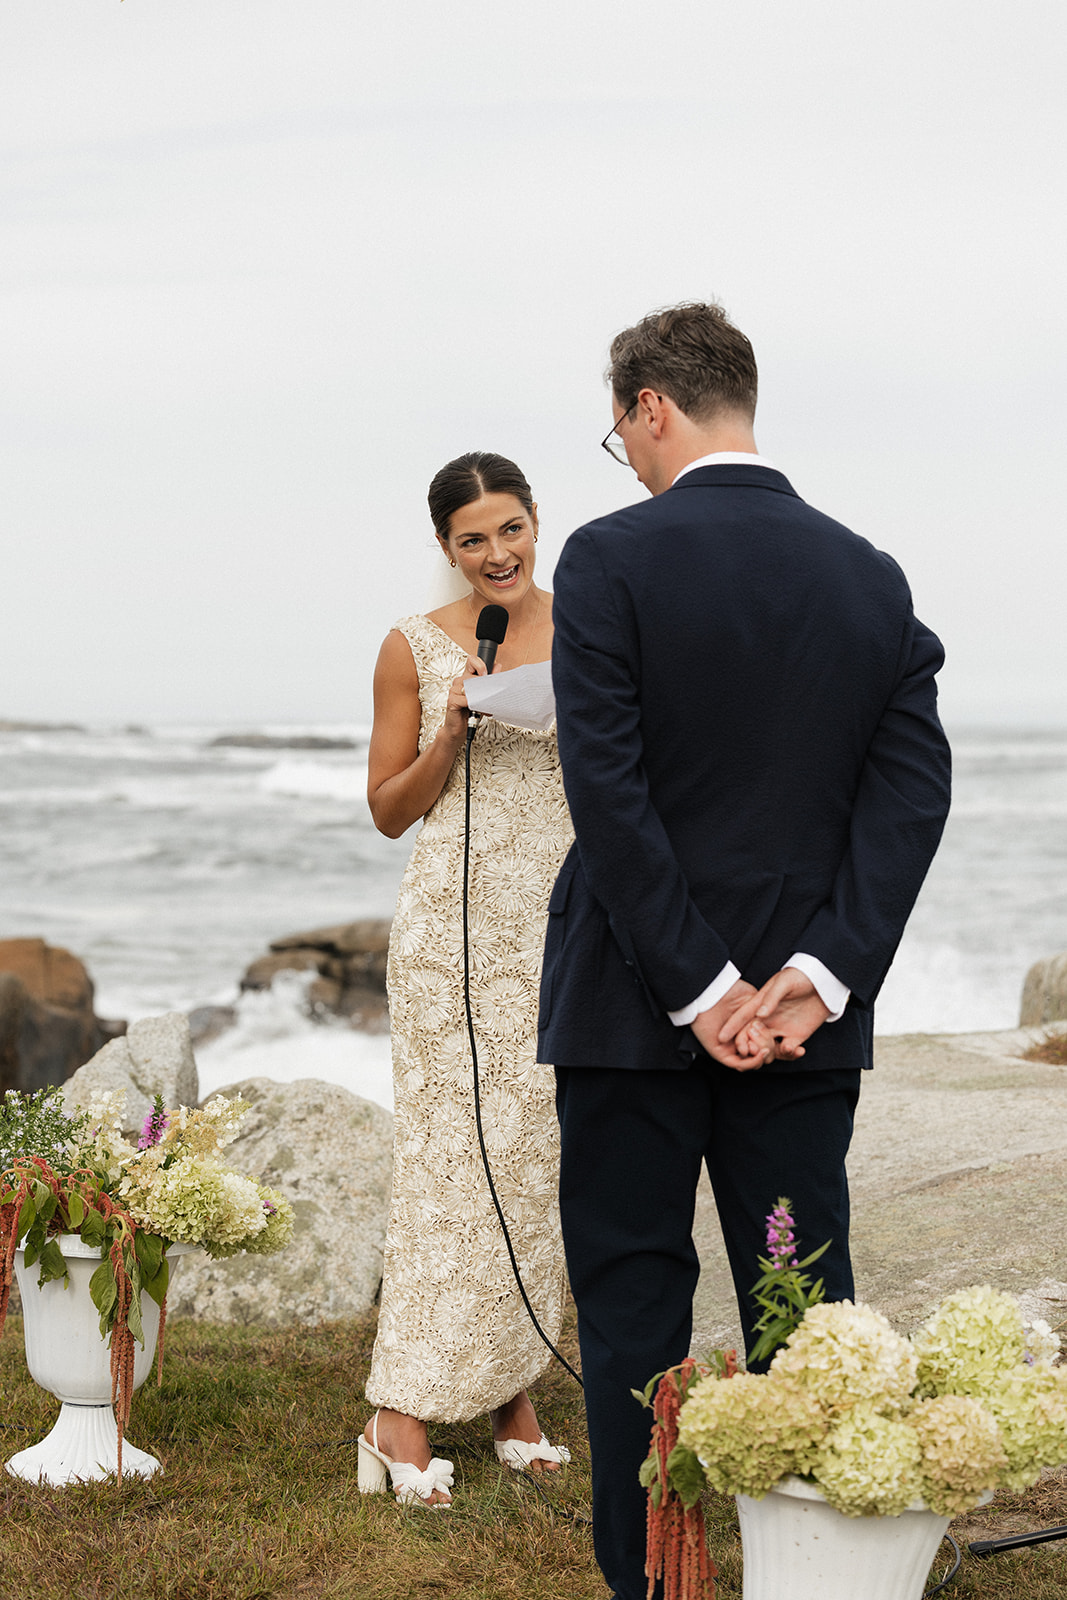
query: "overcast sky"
267, 264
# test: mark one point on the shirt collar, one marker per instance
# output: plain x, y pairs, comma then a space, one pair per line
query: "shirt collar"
727, 458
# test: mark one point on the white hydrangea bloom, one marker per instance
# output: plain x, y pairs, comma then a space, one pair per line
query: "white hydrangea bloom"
844, 1354
1042, 1344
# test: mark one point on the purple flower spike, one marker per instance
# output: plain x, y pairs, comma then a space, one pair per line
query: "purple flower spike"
781, 1241
155, 1126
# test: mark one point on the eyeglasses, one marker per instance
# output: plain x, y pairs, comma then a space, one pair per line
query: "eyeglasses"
612, 442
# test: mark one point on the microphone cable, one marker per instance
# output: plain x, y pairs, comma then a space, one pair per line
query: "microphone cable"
471, 728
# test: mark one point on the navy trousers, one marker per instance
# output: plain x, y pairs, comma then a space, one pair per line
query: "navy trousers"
632, 1144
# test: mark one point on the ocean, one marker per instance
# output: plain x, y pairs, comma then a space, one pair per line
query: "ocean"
167, 863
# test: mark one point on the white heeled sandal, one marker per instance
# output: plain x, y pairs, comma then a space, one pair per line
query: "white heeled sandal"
518, 1454
410, 1485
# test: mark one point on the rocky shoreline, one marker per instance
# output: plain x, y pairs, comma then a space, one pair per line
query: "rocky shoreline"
958, 1167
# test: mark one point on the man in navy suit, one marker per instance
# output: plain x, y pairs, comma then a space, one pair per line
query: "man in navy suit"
758, 781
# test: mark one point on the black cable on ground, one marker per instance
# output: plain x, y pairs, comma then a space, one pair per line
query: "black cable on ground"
947, 1579
1016, 1541
471, 726
550, 1500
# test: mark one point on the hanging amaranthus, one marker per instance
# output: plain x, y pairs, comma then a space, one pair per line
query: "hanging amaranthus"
79, 1175
36, 1205
676, 1544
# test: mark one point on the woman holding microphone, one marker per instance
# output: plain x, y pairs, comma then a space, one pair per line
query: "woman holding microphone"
454, 1338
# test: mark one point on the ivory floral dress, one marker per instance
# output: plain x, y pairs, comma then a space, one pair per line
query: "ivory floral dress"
454, 1339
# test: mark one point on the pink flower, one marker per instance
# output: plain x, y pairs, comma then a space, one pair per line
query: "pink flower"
155, 1126
781, 1241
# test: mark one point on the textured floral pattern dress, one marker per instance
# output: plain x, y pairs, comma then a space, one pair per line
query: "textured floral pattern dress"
454, 1339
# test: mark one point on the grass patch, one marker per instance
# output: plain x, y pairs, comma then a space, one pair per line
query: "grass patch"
1053, 1050
256, 1429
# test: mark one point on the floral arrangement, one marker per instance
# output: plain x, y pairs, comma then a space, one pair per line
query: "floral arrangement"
877, 1422
79, 1174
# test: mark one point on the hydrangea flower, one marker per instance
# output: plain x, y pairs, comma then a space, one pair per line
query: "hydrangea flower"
870, 1464
962, 1452
106, 1147
972, 1338
1030, 1406
843, 1354
750, 1431
1042, 1345
278, 1227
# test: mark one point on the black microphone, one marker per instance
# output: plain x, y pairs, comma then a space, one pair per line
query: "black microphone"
492, 626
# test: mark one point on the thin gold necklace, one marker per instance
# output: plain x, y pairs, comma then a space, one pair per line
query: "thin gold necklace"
533, 624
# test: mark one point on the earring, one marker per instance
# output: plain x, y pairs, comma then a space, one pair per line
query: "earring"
451, 562
535, 538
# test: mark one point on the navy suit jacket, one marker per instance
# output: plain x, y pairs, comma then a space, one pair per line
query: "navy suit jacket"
753, 761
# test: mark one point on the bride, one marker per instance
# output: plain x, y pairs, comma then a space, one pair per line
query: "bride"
454, 1338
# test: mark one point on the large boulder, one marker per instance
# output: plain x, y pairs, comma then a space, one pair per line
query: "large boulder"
48, 1026
331, 1154
348, 961
1045, 993
155, 1057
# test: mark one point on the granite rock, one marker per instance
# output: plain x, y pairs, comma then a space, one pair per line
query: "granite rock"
331, 1154
348, 960
1045, 993
155, 1057
48, 1026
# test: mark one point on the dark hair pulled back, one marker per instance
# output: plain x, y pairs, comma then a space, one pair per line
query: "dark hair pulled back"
470, 477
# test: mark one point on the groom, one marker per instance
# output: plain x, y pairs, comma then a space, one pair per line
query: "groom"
758, 782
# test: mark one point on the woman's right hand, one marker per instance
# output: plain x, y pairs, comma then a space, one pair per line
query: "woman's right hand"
457, 711
402, 781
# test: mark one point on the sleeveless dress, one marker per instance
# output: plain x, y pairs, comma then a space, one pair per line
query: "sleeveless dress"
454, 1338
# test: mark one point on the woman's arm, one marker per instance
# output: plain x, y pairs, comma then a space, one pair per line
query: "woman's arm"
402, 785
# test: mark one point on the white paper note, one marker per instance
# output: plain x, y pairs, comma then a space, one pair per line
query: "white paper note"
522, 698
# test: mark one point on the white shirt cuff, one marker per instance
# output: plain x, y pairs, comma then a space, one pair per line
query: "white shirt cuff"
831, 990
711, 996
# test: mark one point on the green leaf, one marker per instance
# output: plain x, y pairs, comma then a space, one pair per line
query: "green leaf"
26, 1217
75, 1210
815, 1254
649, 1470
104, 1292
645, 1394
685, 1475
94, 1227
157, 1286
52, 1263
134, 1317
149, 1248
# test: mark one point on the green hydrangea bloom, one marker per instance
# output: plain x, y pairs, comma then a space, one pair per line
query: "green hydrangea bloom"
962, 1452
279, 1227
869, 1465
844, 1355
273, 1231
1030, 1406
973, 1338
182, 1202
750, 1431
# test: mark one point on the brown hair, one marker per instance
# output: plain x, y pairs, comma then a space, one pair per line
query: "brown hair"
693, 354
470, 477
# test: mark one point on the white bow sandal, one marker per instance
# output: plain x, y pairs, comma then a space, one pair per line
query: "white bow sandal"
411, 1486
518, 1454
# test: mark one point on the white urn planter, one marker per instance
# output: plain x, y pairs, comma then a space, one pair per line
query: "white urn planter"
67, 1356
797, 1547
